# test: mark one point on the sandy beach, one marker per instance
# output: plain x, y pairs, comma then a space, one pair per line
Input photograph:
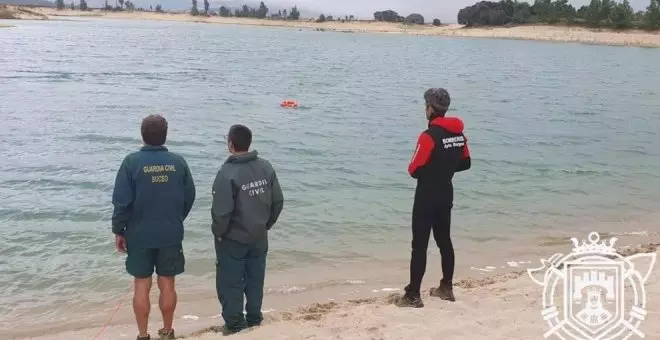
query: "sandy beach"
499, 306
539, 32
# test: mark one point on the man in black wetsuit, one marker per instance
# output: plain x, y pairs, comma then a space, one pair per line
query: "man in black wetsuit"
441, 152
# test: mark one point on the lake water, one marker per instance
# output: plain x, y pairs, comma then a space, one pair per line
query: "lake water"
562, 135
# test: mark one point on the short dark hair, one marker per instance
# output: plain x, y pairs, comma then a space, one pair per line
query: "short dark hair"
240, 137
154, 130
438, 99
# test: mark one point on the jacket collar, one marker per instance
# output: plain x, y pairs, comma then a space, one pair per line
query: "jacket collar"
153, 148
243, 158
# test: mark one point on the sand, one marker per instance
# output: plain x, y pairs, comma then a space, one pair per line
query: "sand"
501, 306
505, 306
20, 13
510, 308
538, 32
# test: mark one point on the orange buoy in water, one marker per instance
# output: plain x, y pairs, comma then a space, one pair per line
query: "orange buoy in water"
289, 103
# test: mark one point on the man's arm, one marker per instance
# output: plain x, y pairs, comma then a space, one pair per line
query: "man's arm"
417, 167
223, 205
189, 191
277, 201
466, 161
122, 198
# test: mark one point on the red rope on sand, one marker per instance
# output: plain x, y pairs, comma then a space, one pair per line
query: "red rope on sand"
119, 304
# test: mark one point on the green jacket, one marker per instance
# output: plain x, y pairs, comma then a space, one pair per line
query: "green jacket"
247, 199
154, 193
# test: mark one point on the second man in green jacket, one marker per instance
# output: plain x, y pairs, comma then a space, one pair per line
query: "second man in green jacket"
247, 201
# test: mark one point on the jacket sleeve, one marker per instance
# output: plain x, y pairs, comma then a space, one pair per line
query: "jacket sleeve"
417, 167
189, 191
277, 201
122, 198
222, 206
466, 161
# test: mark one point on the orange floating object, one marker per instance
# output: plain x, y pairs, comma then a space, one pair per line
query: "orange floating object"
290, 103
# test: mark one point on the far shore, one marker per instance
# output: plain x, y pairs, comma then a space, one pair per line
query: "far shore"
531, 32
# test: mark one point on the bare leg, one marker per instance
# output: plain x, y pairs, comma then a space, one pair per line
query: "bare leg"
167, 300
141, 304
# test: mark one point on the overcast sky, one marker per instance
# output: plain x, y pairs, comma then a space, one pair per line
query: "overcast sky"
445, 10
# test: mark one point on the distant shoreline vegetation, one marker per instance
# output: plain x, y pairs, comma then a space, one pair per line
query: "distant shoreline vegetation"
598, 14
392, 16
245, 11
611, 14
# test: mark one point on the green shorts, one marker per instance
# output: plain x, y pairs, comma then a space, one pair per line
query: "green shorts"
168, 261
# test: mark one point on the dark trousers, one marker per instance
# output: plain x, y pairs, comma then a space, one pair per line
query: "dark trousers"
240, 269
439, 221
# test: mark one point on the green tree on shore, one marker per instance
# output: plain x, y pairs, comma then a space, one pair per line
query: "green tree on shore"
617, 14
294, 14
194, 11
206, 7
593, 13
652, 21
623, 16
606, 10
60, 4
83, 5
546, 11
262, 11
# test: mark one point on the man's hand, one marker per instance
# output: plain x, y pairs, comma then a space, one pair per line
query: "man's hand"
120, 243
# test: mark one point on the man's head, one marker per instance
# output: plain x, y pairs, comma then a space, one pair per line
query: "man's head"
154, 130
437, 102
239, 139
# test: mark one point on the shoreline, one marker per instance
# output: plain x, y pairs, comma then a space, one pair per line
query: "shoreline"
318, 312
549, 33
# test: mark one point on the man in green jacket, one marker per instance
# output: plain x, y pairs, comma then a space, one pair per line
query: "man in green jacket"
247, 201
153, 194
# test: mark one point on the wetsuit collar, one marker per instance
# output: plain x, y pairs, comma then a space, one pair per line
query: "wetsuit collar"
242, 158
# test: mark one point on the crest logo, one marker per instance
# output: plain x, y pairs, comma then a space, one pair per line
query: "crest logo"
584, 292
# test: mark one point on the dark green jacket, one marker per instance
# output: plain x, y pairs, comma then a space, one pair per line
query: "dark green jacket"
247, 199
154, 192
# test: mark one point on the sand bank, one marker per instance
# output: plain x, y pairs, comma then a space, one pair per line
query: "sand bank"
539, 32
22, 13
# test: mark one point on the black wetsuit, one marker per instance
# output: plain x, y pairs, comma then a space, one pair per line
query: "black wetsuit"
441, 152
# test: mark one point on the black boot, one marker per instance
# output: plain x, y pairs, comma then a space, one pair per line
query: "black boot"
409, 300
444, 291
